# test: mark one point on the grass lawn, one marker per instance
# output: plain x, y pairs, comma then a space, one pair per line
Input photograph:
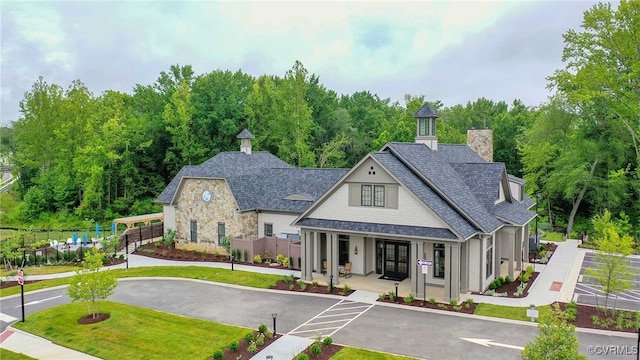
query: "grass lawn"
132, 332
510, 312
553, 236
10, 355
237, 277
349, 353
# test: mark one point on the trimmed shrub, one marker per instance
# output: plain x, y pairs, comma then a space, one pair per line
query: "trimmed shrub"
218, 354
252, 348
246, 255
315, 349
257, 259
249, 337
262, 328
302, 357
234, 345
327, 341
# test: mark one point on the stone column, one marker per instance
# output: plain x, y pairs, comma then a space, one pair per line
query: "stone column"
452, 272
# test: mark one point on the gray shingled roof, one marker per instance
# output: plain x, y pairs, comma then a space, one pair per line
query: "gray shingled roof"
426, 111
483, 180
441, 176
374, 228
514, 212
430, 198
260, 181
245, 134
459, 153
266, 189
223, 165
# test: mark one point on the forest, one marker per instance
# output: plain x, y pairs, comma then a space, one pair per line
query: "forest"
85, 156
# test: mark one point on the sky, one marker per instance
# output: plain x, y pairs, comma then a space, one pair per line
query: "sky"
452, 51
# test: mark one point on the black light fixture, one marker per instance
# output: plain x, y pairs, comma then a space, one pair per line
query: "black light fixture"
331, 284
396, 292
274, 316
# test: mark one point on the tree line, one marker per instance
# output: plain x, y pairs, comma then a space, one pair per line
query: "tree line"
110, 155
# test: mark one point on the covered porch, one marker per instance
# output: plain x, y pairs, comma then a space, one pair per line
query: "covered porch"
379, 261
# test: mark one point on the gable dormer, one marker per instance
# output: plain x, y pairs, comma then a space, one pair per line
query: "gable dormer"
426, 118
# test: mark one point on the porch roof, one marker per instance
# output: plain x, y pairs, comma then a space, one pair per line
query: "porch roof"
373, 228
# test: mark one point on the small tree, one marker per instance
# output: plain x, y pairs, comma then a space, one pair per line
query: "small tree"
557, 339
613, 271
169, 238
90, 284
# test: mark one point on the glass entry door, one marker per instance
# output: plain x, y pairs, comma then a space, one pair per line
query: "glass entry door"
396, 260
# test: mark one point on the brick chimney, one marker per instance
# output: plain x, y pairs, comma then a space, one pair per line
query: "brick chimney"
481, 141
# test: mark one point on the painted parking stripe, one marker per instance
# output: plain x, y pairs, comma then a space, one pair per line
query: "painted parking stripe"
332, 319
7, 318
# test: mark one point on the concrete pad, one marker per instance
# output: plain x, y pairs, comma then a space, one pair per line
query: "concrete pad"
284, 348
39, 348
367, 297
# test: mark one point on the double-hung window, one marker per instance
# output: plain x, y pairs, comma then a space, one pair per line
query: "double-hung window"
366, 195
268, 229
378, 195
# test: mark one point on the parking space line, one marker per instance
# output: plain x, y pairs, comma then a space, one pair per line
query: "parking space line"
333, 311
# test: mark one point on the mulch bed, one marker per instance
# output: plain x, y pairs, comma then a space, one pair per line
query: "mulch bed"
550, 246
584, 318
310, 288
512, 286
90, 319
327, 352
162, 251
243, 350
463, 308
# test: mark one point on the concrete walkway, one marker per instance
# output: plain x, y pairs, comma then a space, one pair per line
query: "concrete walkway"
555, 282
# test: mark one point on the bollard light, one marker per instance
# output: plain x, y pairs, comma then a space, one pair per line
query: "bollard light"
231, 262
331, 284
396, 292
274, 316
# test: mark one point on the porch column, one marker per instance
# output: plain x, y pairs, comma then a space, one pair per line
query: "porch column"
452, 272
511, 239
464, 266
317, 253
306, 247
520, 236
417, 281
497, 252
332, 258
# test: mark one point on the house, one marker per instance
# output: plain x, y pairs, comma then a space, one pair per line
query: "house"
242, 194
447, 206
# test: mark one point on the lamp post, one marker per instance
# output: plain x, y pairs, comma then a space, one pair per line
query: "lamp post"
396, 292
331, 284
231, 262
274, 316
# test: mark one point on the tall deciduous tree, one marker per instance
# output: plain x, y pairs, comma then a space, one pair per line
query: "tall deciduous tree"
601, 80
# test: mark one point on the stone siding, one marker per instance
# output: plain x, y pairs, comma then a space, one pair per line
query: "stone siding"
481, 141
221, 208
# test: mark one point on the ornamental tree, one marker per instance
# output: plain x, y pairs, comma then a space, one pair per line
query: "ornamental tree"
91, 284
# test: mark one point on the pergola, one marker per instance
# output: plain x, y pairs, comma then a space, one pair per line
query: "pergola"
133, 220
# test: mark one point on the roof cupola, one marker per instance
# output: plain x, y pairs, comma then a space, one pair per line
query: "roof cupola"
245, 145
426, 126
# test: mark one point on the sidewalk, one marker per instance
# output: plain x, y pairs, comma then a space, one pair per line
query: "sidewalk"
555, 282
24, 343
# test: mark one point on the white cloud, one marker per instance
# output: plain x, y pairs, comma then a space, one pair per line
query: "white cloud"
450, 50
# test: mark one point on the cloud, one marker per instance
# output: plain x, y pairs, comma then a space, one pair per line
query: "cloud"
453, 51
